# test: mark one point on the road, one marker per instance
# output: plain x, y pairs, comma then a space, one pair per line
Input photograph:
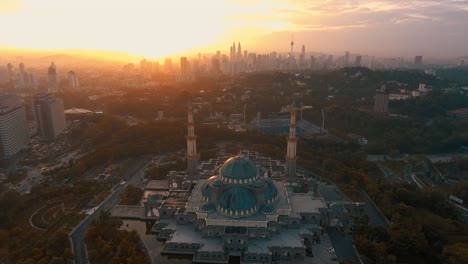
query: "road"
77, 234
376, 218
343, 245
34, 174
444, 157
389, 175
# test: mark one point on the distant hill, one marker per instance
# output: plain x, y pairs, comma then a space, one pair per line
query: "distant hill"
44, 57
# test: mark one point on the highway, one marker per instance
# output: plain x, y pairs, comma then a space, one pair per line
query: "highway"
77, 234
444, 157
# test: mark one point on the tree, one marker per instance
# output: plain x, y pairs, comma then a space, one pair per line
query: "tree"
131, 195
455, 253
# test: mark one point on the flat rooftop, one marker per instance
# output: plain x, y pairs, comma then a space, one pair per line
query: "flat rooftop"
157, 185
305, 202
128, 212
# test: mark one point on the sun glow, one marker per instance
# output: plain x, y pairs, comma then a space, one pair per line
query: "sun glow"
150, 28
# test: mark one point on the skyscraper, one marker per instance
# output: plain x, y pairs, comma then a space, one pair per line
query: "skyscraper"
23, 77
167, 65
346, 59
239, 51
358, 61
184, 65
10, 72
381, 100
292, 48
14, 130
302, 58
52, 74
49, 115
418, 61
234, 53
73, 80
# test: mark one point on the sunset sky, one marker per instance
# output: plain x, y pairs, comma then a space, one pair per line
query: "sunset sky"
155, 28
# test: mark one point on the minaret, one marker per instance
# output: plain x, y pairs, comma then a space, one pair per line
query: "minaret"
292, 144
192, 156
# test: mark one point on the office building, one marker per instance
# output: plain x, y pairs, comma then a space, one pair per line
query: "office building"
346, 59
14, 131
184, 65
358, 61
49, 114
168, 65
381, 100
73, 80
52, 77
418, 61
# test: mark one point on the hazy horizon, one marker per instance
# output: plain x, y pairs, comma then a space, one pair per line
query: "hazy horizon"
156, 29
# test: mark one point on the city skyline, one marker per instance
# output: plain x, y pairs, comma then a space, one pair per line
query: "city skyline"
156, 29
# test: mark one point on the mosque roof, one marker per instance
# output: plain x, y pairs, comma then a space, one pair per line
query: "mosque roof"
271, 191
238, 168
237, 199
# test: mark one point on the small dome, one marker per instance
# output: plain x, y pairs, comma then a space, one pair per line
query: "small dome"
206, 190
207, 208
257, 184
238, 168
267, 209
217, 183
271, 191
237, 199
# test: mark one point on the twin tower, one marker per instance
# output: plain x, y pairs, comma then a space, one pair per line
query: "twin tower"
192, 155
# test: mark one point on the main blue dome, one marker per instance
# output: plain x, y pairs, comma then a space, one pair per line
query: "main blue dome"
237, 199
238, 170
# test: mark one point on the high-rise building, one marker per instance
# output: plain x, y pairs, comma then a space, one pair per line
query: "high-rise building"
418, 61
292, 48
358, 61
14, 130
23, 77
239, 51
184, 65
49, 115
381, 100
3, 75
346, 59
168, 65
234, 50
302, 63
52, 74
73, 80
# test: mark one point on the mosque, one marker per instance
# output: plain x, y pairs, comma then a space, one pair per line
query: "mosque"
254, 209
246, 211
